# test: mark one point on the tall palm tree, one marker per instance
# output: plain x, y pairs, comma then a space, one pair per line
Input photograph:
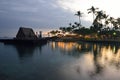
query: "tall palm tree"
106, 20
111, 19
100, 16
97, 24
79, 14
92, 10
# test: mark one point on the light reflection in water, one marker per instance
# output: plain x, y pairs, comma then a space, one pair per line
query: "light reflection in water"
79, 61
98, 61
109, 56
62, 45
69, 46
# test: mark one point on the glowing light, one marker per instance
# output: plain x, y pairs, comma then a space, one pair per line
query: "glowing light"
108, 56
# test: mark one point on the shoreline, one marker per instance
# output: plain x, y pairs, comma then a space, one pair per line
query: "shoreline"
87, 40
57, 39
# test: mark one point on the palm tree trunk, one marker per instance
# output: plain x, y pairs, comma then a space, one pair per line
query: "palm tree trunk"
79, 21
105, 23
93, 17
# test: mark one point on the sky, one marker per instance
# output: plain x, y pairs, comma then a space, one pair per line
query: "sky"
46, 15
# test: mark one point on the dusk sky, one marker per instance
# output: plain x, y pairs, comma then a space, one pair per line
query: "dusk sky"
47, 15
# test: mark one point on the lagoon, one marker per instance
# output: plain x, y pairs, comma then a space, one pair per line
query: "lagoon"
60, 61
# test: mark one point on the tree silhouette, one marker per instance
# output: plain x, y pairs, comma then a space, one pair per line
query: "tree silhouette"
77, 24
92, 10
63, 29
79, 14
106, 20
118, 20
99, 27
97, 24
100, 16
70, 24
111, 19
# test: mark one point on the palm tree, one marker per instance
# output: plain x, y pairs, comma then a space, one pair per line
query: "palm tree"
106, 21
111, 19
115, 24
92, 10
70, 24
63, 29
76, 24
79, 14
73, 26
97, 24
99, 16
118, 21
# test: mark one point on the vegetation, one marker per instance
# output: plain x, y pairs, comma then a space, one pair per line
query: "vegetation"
103, 26
92, 10
79, 14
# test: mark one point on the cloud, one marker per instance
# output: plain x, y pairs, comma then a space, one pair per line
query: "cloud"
40, 11
35, 13
73, 5
111, 7
76, 5
19, 5
32, 12
23, 8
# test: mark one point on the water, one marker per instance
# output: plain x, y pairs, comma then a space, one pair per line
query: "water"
60, 61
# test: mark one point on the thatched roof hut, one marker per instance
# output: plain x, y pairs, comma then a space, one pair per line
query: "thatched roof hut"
26, 34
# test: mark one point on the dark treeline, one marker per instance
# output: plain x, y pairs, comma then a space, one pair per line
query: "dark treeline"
103, 25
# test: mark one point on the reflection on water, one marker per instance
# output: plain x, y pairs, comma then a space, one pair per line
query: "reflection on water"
60, 61
98, 61
74, 49
25, 50
69, 46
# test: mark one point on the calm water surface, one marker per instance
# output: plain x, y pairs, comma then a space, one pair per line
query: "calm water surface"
60, 61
